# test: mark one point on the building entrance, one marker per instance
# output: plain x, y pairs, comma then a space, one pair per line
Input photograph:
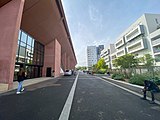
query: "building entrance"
30, 56
31, 71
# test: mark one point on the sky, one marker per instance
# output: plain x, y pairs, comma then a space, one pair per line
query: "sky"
100, 22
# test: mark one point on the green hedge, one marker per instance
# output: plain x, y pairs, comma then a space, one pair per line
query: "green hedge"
138, 79
118, 76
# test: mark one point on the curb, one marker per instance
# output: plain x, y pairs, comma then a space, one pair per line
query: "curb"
126, 89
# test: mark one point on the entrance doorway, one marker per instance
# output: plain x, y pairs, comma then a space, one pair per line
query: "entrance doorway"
31, 71
48, 72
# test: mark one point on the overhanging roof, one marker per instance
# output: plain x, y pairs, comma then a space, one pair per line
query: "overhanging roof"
45, 21
3, 2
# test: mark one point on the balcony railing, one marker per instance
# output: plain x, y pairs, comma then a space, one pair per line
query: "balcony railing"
134, 33
156, 42
121, 52
157, 51
119, 43
138, 45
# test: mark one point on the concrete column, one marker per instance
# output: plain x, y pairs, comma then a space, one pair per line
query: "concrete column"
72, 65
49, 55
52, 58
57, 58
64, 61
68, 62
10, 20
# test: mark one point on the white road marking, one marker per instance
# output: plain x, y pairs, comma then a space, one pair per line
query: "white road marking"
135, 93
67, 107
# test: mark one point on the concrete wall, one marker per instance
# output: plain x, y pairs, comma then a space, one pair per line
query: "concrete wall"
57, 64
10, 20
52, 57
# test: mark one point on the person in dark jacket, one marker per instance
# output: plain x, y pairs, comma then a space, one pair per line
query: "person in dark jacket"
21, 77
150, 86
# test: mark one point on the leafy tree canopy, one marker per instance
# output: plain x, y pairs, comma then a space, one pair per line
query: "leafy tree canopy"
101, 64
125, 61
147, 60
81, 68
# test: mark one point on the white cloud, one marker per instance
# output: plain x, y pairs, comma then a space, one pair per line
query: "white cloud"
95, 17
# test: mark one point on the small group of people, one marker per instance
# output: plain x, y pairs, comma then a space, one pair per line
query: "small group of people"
20, 79
152, 87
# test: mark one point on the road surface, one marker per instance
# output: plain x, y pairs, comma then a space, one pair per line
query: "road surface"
94, 99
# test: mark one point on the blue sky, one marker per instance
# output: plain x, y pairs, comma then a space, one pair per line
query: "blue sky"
96, 22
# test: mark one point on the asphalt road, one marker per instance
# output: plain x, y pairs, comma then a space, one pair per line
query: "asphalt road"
98, 100
42, 101
94, 99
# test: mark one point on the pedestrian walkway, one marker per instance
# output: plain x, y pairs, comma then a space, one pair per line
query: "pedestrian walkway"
28, 82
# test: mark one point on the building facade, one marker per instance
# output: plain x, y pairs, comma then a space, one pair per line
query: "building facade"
35, 36
108, 55
142, 37
99, 49
93, 54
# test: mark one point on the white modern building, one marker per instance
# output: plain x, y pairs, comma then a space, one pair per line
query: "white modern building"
108, 54
155, 41
93, 54
142, 37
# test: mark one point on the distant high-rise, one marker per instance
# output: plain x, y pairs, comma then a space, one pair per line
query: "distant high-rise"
99, 49
93, 54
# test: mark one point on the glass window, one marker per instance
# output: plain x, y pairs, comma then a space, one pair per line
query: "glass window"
30, 51
29, 47
23, 44
29, 42
24, 37
22, 52
33, 42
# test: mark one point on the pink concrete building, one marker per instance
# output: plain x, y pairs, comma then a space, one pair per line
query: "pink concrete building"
34, 35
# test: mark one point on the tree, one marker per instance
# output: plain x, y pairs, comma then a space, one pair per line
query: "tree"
81, 68
100, 67
148, 62
94, 68
101, 64
127, 61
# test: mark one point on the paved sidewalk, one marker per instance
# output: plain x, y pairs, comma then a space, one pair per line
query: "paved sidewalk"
28, 82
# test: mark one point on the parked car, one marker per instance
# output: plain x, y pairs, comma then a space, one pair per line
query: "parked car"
68, 72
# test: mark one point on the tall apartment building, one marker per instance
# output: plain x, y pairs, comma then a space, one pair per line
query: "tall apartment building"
142, 37
99, 49
93, 54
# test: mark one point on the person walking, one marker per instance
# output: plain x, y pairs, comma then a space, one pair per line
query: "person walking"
21, 77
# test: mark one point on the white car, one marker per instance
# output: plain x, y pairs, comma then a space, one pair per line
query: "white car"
68, 72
